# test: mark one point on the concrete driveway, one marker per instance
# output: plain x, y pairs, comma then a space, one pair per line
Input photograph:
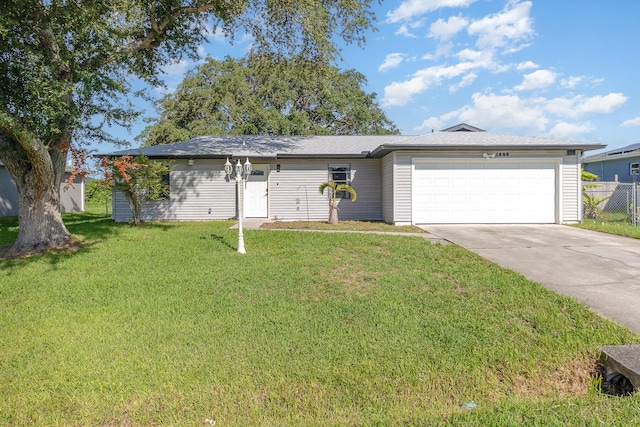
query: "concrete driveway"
598, 269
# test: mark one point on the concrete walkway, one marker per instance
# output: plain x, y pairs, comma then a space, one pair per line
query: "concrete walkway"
256, 223
598, 269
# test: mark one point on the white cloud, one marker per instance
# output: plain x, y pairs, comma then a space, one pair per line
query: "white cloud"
410, 9
528, 65
177, 68
504, 111
580, 105
568, 130
432, 123
536, 80
404, 31
466, 80
632, 122
391, 61
533, 114
481, 58
445, 30
601, 104
571, 82
216, 35
401, 93
504, 29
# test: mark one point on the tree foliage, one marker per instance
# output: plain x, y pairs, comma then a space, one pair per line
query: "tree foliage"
138, 179
97, 191
267, 94
66, 68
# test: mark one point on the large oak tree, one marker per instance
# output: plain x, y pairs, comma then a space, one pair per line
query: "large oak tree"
267, 94
65, 67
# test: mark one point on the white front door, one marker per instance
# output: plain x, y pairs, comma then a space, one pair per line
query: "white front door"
255, 193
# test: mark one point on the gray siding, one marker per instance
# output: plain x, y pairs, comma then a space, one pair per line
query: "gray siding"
198, 192
71, 199
72, 196
293, 192
570, 192
402, 189
8, 194
387, 188
202, 192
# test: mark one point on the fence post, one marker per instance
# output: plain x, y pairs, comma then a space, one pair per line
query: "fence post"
634, 212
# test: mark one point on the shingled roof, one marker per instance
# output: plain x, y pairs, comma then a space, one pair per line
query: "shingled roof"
632, 150
328, 146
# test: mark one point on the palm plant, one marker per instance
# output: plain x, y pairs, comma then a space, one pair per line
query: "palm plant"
334, 188
591, 203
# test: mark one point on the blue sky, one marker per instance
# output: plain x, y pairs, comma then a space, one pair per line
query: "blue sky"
565, 69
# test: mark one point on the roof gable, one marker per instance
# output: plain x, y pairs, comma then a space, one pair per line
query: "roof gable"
462, 127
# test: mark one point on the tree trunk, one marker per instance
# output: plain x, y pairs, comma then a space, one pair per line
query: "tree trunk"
38, 187
333, 213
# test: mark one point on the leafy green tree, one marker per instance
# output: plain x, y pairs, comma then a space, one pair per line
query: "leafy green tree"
97, 191
267, 94
334, 189
138, 179
66, 68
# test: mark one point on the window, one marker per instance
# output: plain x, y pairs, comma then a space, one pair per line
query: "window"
164, 195
341, 173
634, 168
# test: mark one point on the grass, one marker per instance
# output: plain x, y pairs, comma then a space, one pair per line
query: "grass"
167, 325
612, 223
376, 226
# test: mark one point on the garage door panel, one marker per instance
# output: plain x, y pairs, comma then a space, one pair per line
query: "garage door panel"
498, 192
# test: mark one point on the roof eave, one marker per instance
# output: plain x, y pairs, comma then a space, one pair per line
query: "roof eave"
383, 150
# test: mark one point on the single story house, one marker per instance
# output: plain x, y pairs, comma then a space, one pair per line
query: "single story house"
618, 165
459, 175
71, 197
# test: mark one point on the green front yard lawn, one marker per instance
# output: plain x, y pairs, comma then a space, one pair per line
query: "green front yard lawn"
167, 325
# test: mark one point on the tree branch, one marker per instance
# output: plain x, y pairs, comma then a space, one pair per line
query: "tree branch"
153, 38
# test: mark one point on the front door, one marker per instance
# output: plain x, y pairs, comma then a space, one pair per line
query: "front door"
255, 193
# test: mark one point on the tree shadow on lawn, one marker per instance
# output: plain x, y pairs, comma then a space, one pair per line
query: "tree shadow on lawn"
86, 228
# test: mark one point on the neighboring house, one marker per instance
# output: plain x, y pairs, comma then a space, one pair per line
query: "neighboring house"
616, 165
463, 175
71, 199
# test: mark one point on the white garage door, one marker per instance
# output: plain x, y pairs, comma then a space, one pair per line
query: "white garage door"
490, 191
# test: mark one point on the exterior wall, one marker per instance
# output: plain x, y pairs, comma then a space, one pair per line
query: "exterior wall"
607, 170
71, 199
202, 192
197, 192
72, 196
388, 182
384, 187
568, 192
8, 194
403, 188
293, 192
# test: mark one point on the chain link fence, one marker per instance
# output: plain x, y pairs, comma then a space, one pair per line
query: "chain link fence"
612, 202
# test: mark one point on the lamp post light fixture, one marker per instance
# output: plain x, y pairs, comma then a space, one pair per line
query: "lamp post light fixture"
242, 173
